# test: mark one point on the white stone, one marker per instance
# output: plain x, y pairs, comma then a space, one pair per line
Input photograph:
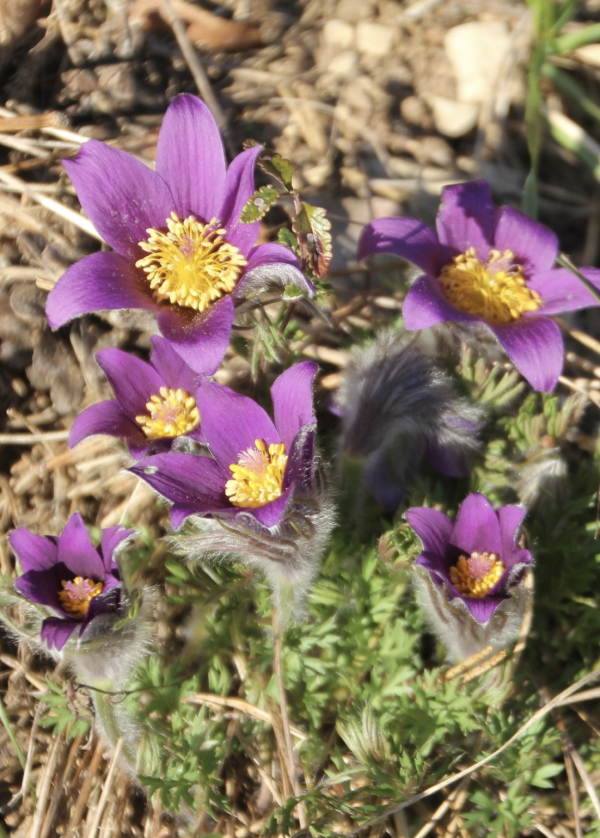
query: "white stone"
338, 33
344, 63
477, 52
453, 119
375, 39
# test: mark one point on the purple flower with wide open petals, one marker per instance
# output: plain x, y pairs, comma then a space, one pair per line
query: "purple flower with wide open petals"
76, 581
180, 249
256, 465
476, 558
155, 402
487, 266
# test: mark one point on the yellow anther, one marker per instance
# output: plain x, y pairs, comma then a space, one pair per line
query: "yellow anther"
77, 594
172, 413
191, 265
495, 290
476, 576
258, 475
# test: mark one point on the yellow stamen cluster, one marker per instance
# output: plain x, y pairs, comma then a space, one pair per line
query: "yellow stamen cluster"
191, 264
172, 413
77, 594
476, 576
258, 475
495, 290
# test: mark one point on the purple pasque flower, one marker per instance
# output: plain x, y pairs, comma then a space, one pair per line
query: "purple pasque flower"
476, 558
256, 465
487, 266
180, 249
74, 580
154, 402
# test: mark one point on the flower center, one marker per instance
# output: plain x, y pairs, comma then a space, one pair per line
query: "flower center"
495, 290
258, 476
77, 595
191, 265
476, 576
172, 413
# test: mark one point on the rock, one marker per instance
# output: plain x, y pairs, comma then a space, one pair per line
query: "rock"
375, 39
414, 111
344, 64
338, 33
354, 10
477, 52
453, 119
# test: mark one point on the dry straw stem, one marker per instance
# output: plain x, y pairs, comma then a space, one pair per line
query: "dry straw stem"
240, 705
466, 772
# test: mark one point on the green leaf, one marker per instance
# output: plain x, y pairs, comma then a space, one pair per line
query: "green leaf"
259, 204
313, 229
287, 239
279, 167
542, 775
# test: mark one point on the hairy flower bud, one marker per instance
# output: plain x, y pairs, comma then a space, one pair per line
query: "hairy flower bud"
400, 409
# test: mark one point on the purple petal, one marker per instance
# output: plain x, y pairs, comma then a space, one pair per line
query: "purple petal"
511, 518
299, 468
271, 514
482, 610
171, 367
34, 552
120, 195
232, 423
197, 483
200, 339
534, 245
272, 265
111, 538
432, 527
561, 290
535, 346
78, 553
239, 188
56, 632
292, 395
190, 158
466, 218
425, 305
105, 418
449, 459
133, 381
405, 237
97, 282
42, 586
476, 528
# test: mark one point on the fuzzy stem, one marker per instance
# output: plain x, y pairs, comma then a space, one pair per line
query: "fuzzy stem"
285, 719
114, 722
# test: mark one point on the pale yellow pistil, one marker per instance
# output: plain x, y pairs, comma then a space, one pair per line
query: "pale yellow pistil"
476, 576
495, 290
258, 476
172, 413
191, 264
77, 595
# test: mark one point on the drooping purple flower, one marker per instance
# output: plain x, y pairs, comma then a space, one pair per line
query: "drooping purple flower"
256, 464
154, 402
74, 581
180, 249
487, 266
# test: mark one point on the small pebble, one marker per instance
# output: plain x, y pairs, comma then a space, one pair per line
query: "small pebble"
338, 33
375, 39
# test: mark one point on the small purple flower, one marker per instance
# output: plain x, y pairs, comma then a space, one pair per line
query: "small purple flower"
476, 558
68, 575
487, 266
155, 402
256, 465
181, 250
